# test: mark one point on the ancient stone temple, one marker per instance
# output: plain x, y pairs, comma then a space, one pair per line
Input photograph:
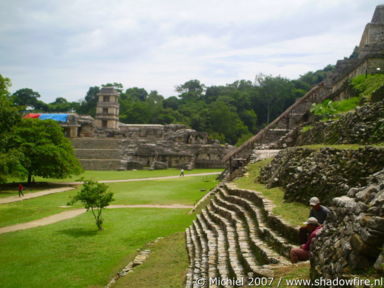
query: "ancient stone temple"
369, 59
152, 146
104, 143
107, 109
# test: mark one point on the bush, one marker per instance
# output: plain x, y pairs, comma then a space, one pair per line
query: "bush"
95, 197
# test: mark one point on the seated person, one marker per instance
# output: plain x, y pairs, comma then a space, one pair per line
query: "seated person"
302, 254
317, 211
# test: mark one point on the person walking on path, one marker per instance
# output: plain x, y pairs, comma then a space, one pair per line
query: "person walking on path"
319, 212
21, 189
181, 172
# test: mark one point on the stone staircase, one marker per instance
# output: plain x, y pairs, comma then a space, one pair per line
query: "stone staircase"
98, 153
236, 237
291, 118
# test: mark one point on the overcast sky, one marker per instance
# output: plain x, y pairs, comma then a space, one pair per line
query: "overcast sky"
61, 48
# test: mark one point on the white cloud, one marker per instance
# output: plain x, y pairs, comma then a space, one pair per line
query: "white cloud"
61, 48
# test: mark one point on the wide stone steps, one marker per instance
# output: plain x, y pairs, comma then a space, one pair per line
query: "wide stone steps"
204, 250
98, 154
212, 248
291, 234
95, 143
223, 265
191, 255
261, 247
236, 237
231, 241
256, 220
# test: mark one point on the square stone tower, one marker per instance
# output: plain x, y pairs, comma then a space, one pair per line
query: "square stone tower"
107, 109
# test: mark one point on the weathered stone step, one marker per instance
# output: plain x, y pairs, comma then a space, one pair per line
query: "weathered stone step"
262, 251
212, 249
96, 143
223, 265
204, 250
244, 206
234, 253
197, 256
98, 154
101, 164
247, 252
236, 236
276, 223
191, 256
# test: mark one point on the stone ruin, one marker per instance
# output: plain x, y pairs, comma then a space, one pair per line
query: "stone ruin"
236, 236
353, 234
369, 60
104, 143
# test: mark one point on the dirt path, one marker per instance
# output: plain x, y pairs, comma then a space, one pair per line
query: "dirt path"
43, 221
63, 189
34, 195
76, 212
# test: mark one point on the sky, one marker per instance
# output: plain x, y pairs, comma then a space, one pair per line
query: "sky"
61, 48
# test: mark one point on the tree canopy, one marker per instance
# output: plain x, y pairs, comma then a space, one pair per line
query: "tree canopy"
230, 113
95, 197
46, 151
31, 147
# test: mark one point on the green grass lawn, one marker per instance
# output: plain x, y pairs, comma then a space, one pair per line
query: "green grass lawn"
36, 208
72, 253
181, 190
121, 175
293, 212
165, 267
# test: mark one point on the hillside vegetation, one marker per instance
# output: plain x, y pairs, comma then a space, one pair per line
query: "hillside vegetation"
230, 113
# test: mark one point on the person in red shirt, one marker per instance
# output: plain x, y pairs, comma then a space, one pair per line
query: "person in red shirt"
21, 189
302, 254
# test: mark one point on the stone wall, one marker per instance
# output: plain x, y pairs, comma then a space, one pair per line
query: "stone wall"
327, 173
150, 146
352, 240
98, 153
365, 125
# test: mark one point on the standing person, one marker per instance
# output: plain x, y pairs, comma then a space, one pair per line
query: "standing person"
302, 254
21, 189
317, 211
181, 172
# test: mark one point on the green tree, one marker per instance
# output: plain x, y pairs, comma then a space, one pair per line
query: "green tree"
275, 96
28, 98
134, 94
5, 84
225, 122
46, 152
171, 102
191, 90
88, 106
94, 197
62, 105
9, 117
